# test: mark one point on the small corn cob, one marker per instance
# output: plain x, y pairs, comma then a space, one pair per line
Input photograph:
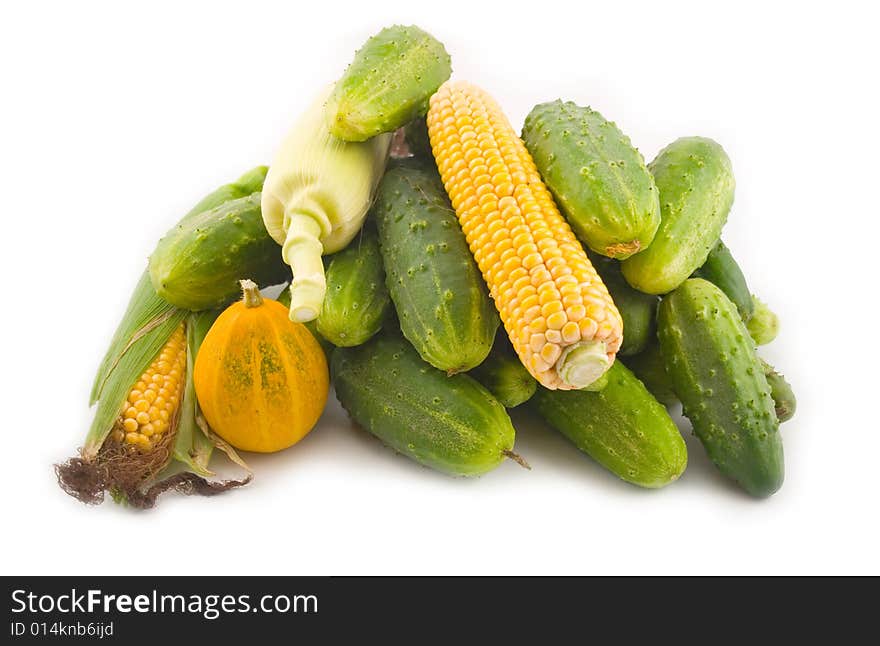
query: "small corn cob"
151, 406
555, 308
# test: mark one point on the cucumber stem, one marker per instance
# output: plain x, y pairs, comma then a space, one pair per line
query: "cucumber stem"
583, 363
302, 250
516, 457
250, 293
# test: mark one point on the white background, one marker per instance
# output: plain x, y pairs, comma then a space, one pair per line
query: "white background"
114, 119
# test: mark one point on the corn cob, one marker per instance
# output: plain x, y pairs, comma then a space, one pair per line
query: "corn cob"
315, 200
149, 411
555, 308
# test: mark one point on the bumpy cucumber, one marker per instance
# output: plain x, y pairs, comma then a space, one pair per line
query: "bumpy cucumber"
648, 366
504, 375
451, 424
622, 427
696, 185
638, 310
435, 285
598, 178
721, 269
763, 326
198, 264
357, 299
388, 84
720, 380
784, 400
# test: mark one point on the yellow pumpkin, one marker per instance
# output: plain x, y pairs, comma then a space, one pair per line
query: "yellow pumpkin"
260, 378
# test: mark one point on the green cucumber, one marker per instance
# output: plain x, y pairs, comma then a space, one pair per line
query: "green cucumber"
784, 400
622, 427
388, 84
648, 366
721, 269
763, 326
637, 310
599, 180
198, 264
719, 378
451, 424
357, 300
504, 375
435, 285
695, 180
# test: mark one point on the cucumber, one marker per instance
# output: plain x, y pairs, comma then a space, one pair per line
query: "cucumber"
622, 427
504, 375
763, 326
435, 285
720, 380
357, 300
721, 269
649, 368
637, 310
388, 84
451, 424
695, 180
198, 264
784, 400
599, 180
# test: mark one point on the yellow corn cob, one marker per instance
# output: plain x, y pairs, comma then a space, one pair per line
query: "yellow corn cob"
555, 308
152, 403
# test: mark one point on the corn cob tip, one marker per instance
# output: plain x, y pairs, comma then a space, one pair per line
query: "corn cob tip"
581, 364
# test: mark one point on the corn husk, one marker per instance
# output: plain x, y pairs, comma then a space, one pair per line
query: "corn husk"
315, 198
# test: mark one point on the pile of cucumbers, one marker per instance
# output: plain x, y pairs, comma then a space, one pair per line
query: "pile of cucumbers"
436, 375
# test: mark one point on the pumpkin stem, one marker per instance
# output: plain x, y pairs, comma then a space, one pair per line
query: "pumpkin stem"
251, 293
